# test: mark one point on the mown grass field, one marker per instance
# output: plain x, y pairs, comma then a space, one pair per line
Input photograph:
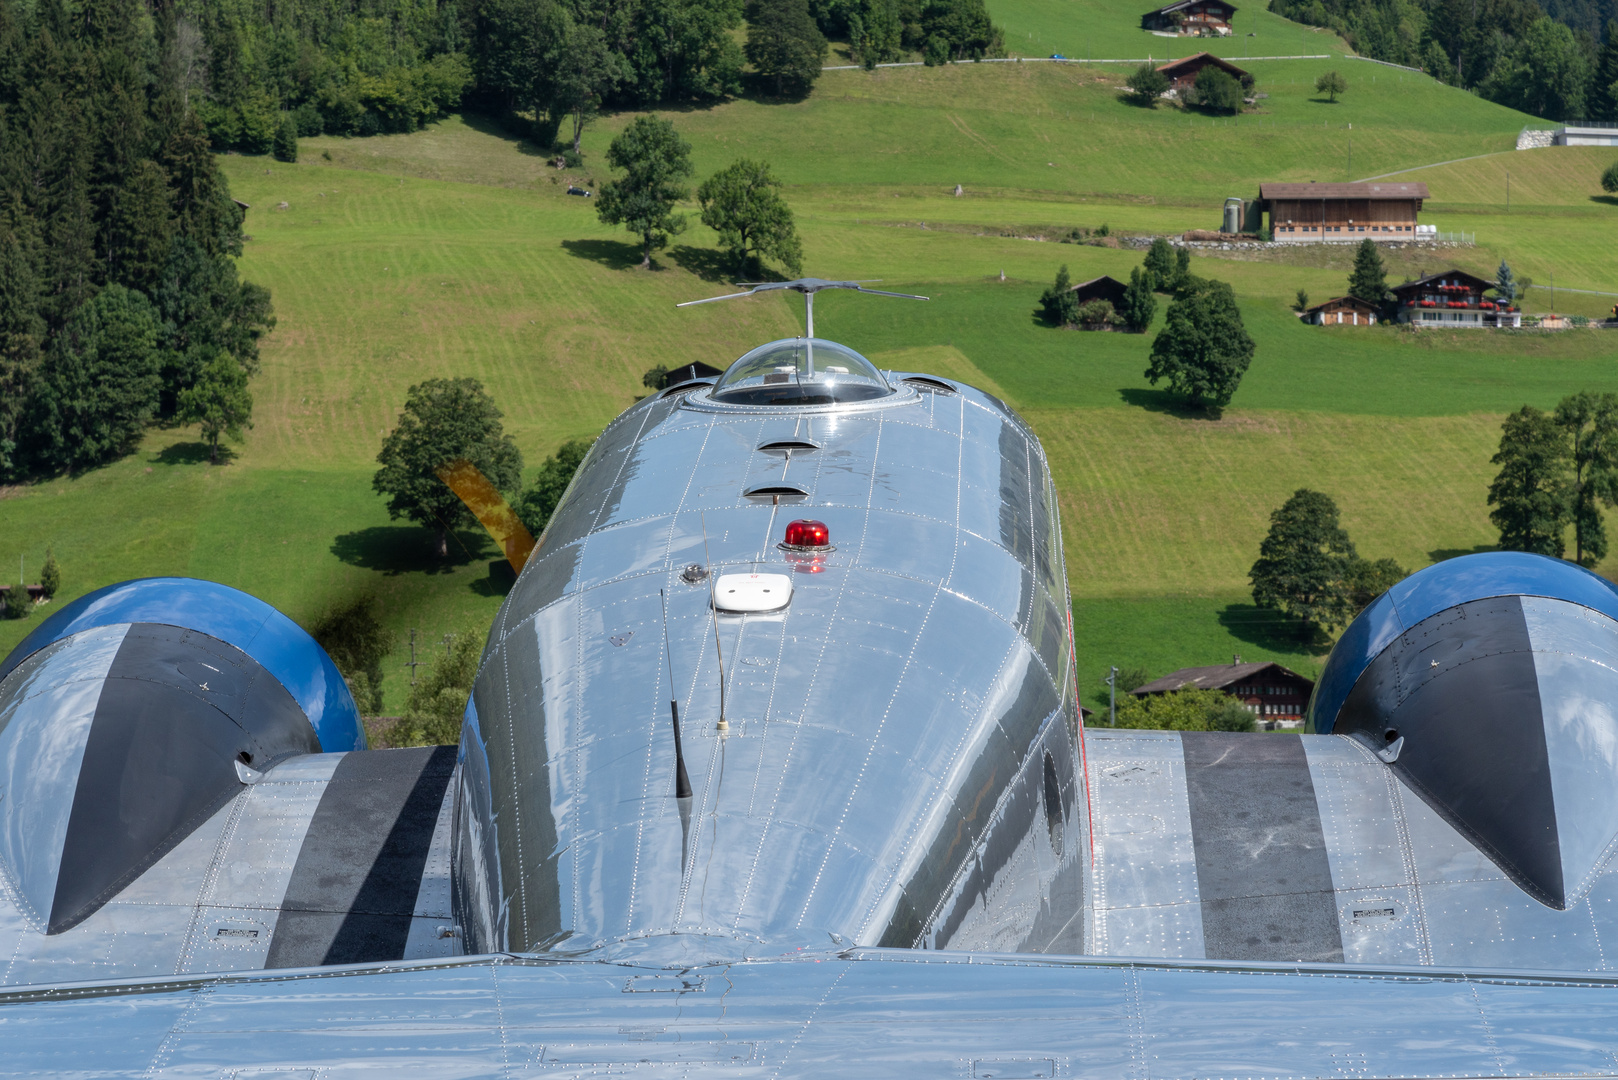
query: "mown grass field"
455, 251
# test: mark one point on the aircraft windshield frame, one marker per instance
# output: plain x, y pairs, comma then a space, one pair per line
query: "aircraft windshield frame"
800, 371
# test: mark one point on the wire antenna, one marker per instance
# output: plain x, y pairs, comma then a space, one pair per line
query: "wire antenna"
713, 607
808, 287
682, 782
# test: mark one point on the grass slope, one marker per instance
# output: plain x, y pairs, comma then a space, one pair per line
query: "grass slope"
455, 251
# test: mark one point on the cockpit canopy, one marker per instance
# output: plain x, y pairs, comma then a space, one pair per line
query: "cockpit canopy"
800, 371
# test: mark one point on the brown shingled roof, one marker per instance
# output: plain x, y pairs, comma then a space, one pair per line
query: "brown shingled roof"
1343, 191
1211, 678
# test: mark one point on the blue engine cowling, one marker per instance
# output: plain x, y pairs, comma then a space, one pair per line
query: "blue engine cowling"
133, 714
1491, 682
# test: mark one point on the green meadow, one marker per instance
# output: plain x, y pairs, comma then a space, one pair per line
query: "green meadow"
455, 251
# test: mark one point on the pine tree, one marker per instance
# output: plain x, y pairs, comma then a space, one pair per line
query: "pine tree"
1530, 494
1140, 306
1369, 281
50, 575
1604, 84
21, 333
286, 139
203, 209
1505, 284
1057, 303
1591, 423
141, 228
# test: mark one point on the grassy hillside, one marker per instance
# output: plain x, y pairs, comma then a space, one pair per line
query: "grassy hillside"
455, 251
1111, 28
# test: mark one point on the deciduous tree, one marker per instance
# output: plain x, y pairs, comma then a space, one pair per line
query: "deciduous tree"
784, 45
1159, 262
1203, 349
1303, 562
1216, 90
743, 204
1147, 84
544, 495
1184, 710
218, 402
1331, 84
443, 420
654, 160
1367, 579
1609, 179
1530, 493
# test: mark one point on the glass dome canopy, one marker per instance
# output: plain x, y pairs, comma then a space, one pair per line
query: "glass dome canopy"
800, 371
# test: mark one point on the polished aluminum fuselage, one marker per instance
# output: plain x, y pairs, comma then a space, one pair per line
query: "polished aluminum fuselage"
901, 762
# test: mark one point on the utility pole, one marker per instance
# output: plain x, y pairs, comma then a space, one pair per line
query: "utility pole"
445, 641
413, 661
1351, 158
1508, 191
1112, 698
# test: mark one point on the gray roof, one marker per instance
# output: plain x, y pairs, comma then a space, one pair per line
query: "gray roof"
1217, 677
1342, 191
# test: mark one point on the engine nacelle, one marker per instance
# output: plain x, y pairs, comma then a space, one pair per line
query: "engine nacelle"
132, 715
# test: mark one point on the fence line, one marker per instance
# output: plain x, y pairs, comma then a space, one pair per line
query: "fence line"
1075, 60
1384, 63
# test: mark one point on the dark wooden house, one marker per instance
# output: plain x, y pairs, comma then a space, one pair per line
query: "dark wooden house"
1191, 17
1342, 311
1452, 299
1102, 288
1321, 213
1270, 691
1182, 73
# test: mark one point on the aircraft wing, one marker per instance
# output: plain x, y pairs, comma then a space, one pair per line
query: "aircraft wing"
864, 1013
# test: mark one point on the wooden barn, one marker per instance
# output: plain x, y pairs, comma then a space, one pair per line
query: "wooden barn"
1182, 73
1328, 213
1102, 288
1270, 691
1191, 17
1452, 299
1342, 311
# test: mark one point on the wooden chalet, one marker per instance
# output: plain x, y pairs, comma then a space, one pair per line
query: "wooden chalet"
1182, 73
1452, 299
1325, 213
1191, 17
1270, 691
1101, 288
1342, 311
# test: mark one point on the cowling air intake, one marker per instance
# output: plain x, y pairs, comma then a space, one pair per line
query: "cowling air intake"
131, 716
1489, 683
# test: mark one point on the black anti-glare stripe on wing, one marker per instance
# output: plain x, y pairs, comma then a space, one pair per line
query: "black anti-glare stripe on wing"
354, 886
1262, 871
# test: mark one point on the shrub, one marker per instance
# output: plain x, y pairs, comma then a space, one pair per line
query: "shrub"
1302, 302
438, 703
1609, 179
1185, 710
286, 140
357, 643
17, 604
1095, 314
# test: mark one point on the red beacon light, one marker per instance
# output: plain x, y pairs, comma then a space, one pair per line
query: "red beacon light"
806, 534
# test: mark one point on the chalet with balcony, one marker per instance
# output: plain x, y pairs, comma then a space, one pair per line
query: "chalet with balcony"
1182, 73
1341, 213
1342, 311
1272, 693
1452, 299
1191, 17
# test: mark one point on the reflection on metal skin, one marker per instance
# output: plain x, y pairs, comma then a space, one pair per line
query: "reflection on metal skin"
919, 678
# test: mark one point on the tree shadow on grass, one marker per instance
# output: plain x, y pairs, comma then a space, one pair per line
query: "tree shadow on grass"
188, 453
706, 263
485, 124
1169, 404
1269, 629
613, 254
1610, 200
499, 582
1440, 554
407, 549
